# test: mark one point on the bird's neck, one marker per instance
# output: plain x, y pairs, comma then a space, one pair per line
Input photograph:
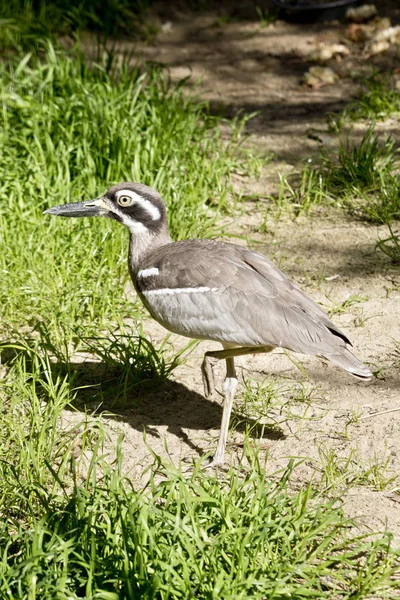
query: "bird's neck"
140, 245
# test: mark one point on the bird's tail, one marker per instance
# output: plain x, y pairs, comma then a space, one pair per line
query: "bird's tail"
350, 363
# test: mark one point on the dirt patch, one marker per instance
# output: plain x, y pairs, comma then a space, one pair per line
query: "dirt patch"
244, 67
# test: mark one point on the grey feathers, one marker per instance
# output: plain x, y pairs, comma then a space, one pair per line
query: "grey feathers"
212, 290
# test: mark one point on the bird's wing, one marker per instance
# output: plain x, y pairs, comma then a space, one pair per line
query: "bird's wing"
290, 291
223, 292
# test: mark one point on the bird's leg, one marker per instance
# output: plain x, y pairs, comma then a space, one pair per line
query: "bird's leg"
207, 371
230, 385
212, 357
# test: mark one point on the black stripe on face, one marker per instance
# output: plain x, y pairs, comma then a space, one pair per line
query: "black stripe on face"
138, 212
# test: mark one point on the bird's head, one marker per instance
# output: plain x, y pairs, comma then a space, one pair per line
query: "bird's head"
140, 208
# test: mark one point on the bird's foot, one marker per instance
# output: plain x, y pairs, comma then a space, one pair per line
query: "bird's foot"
215, 461
209, 462
207, 370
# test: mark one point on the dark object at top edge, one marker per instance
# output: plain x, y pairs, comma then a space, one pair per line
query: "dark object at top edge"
308, 13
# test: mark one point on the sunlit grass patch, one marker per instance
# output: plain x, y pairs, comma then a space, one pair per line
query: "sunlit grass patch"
69, 130
361, 177
300, 193
358, 167
364, 177
391, 245
340, 471
379, 99
271, 404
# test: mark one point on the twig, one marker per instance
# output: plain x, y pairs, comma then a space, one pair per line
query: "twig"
381, 412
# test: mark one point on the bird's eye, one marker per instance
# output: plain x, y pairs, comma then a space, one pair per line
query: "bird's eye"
125, 201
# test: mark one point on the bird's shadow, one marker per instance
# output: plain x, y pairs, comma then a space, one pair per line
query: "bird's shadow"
154, 403
137, 394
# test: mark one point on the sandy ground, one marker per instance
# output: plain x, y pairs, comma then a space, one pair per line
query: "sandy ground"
323, 412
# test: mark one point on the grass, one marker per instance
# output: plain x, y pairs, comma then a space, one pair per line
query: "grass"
25, 23
339, 472
298, 197
379, 99
361, 177
74, 526
70, 130
270, 404
364, 178
112, 370
390, 245
266, 17
359, 166
336, 308
73, 523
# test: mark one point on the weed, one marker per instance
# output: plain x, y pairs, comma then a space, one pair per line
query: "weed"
362, 177
339, 472
266, 17
379, 100
354, 416
300, 196
361, 319
390, 245
272, 404
359, 167
344, 306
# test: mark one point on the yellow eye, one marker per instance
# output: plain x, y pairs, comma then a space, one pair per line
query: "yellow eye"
125, 201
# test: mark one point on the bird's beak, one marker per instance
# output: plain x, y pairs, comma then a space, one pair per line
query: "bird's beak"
90, 208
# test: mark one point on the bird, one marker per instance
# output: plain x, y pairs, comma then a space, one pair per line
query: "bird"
214, 290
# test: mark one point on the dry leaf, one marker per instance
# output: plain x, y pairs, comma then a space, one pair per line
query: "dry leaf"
362, 13
324, 53
318, 77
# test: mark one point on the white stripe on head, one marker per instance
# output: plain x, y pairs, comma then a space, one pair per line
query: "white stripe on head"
148, 272
148, 206
169, 291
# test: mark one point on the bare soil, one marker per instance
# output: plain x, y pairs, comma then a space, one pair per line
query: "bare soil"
245, 67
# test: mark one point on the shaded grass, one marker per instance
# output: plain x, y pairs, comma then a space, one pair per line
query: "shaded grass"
69, 130
113, 369
73, 526
119, 364
25, 23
